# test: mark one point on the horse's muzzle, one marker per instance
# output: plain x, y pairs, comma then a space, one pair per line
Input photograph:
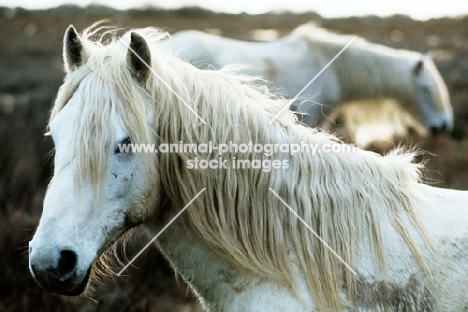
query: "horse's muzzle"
58, 274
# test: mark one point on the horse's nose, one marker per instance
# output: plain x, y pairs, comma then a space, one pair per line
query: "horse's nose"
58, 270
439, 129
51, 269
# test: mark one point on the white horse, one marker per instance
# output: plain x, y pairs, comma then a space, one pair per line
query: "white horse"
240, 244
363, 71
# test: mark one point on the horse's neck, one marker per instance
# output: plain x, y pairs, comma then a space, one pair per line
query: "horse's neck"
391, 75
211, 277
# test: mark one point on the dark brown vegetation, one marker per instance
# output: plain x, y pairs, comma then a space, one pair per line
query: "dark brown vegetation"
31, 72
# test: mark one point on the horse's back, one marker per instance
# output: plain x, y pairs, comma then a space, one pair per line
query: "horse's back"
291, 62
444, 213
192, 46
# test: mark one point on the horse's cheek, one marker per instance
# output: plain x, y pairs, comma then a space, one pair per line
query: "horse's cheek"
123, 192
122, 186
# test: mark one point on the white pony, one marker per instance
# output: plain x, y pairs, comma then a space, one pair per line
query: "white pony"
363, 71
402, 244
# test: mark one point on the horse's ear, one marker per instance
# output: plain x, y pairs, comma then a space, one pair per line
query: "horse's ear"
418, 67
73, 51
139, 57
420, 64
429, 55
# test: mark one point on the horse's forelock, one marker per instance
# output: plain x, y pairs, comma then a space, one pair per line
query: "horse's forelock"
108, 95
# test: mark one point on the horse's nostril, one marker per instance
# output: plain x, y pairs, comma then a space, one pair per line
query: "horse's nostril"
439, 129
66, 263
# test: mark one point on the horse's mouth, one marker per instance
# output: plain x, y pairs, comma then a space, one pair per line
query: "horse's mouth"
81, 287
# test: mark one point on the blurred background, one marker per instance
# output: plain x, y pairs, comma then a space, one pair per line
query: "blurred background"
31, 72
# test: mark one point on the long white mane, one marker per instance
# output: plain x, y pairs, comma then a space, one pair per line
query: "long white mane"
341, 196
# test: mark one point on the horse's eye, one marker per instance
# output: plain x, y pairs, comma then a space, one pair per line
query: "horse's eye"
124, 146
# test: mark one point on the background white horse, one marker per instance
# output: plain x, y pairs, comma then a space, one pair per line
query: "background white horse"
364, 71
238, 244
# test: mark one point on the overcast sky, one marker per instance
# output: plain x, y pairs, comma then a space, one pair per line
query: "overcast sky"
329, 8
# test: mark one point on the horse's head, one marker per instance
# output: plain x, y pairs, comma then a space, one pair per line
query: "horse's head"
97, 192
432, 96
